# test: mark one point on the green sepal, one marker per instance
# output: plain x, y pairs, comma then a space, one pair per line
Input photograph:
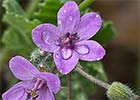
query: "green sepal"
119, 91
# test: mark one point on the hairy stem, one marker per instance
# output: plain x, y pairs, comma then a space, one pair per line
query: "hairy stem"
69, 84
91, 78
85, 3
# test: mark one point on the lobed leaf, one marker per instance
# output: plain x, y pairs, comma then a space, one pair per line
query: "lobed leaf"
20, 23
17, 37
15, 42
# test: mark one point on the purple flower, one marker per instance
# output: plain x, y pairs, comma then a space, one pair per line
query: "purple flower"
35, 85
69, 41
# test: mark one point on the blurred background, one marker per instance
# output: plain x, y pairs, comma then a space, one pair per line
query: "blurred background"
121, 62
122, 59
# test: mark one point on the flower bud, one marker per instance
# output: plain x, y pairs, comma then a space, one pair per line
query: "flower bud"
119, 91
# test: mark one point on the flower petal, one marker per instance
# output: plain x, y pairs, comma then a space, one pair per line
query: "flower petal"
52, 81
89, 25
68, 17
46, 37
96, 51
66, 53
17, 92
82, 49
45, 94
22, 68
65, 66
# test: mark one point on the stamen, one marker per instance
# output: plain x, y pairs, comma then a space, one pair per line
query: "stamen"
39, 83
28, 91
74, 36
69, 40
67, 34
34, 95
33, 92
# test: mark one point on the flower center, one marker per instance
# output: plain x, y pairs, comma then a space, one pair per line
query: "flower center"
39, 83
69, 40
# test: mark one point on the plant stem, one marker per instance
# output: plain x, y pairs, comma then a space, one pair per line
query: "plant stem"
31, 7
85, 3
91, 78
69, 84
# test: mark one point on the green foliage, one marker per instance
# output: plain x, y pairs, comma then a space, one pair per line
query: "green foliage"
78, 92
63, 1
77, 1
15, 44
17, 38
106, 33
81, 87
95, 69
20, 23
48, 12
13, 6
87, 10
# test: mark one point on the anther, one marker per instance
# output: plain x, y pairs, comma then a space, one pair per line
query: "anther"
67, 34
74, 36
34, 95
28, 91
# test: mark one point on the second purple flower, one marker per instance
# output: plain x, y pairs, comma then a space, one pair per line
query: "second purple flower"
35, 85
69, 41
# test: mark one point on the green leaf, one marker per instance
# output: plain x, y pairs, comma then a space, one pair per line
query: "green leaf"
20, 23
47, 11
87, 10
17, 38
78, 89
106, 33
13, 6
15, 42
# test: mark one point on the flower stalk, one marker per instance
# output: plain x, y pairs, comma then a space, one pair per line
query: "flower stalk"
69, 85
84, 4
91, 78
